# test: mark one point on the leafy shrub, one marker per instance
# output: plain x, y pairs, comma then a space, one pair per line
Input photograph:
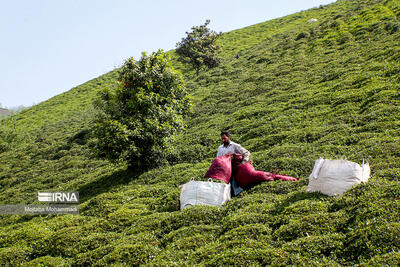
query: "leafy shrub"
95, 240
255, 256
130, 255
192, 216
10, 136
298, 260
313, 224
39, 237
93, 256
250, 201
316, 247
14, 256
191, 242
392, 27
302, 35
388, 259
49, 261
372, 238
245, 218
186, 231
66, 242
168, 202
138, 119
123, 217
199, 47
258, 231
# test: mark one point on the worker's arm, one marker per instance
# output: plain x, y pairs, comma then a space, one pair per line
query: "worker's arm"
244, 152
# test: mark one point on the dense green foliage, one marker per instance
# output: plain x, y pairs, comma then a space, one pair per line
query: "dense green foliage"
199, 47
299, 91
138, 119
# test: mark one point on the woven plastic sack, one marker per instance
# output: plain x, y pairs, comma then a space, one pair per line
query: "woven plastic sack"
236, 163
247, 175
334, 177
221, 168
204, 193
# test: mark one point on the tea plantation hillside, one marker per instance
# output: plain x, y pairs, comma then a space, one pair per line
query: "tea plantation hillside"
298, 91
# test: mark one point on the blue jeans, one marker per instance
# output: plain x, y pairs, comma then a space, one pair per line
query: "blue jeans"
236, 189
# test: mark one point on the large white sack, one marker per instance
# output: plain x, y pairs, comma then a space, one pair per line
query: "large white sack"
332, 177
204, 193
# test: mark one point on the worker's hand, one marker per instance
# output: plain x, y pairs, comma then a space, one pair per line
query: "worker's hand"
244, 161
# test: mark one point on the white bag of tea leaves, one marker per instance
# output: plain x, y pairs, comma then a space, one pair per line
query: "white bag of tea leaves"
332, 177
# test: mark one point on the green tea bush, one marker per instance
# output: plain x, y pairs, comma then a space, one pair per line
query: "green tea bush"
100, 206
123, 217
191, 216
249, 201
129, 255
388, 259
372, 238
298, 260
314, 224
92, 257
98, 239
187, 231
317, 247
190, 242
154, 223
167, 202
10, 136
14, 256
301, 35
260, 232
49, 261
66, 242
256, 256
32, 234
306, 206
244, 218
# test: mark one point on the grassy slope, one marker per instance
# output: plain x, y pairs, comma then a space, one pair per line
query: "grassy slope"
297, 92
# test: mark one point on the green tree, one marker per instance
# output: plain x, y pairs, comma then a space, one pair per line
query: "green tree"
199, 47
137, 120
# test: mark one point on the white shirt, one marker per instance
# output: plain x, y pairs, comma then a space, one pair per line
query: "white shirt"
233, 148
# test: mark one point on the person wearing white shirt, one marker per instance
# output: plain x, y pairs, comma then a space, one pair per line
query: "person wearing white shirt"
229, 147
